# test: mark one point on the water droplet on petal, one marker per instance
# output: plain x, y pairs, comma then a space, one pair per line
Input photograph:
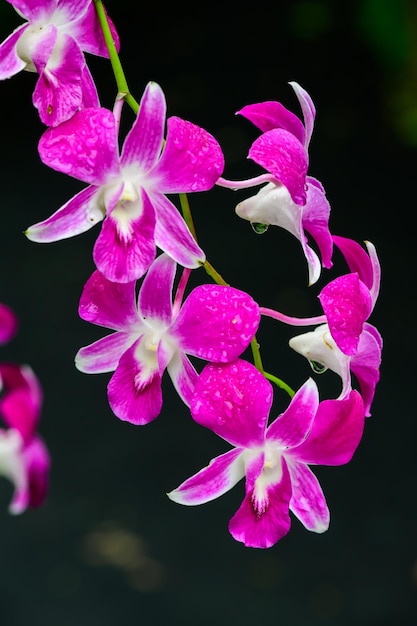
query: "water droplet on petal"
259, 228
318, 367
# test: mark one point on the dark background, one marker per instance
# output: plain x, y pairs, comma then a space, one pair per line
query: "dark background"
108, 547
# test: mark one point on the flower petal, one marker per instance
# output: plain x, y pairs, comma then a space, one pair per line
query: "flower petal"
308, 502
8, 323
183, 376
233, 400
191, 160
308, 109
89, 34
292, 427
58, 92
135, 394
270, 114
78, 215
37, 461
365, 364
155, 296
125, 247
109, 304
367, 267
281, 154
21, 400
336, 432
143, 143
216, 322
263, 529
104, 355
172, 234
347, 304
222, 473
84, 147
316, 213
10, 62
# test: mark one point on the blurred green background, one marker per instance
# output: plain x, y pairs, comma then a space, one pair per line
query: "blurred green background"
108, 547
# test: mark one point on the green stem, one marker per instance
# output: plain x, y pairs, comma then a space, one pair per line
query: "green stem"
186, 213
280, 383
119, 74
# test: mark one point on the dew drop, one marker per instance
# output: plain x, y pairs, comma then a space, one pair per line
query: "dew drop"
259, 228
318, 367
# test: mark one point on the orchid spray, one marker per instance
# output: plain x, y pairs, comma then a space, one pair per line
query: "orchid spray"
137, 197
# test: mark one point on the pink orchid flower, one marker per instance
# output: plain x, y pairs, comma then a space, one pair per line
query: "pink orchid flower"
8, 323
234, 401
129, 192
52, 43
215, 323
290, 199
346, 342
24, 458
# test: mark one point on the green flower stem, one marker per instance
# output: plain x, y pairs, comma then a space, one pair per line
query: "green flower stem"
279, 383
186, 213
119, 75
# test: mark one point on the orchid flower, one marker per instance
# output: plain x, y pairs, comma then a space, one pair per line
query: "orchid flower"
344, 341
52, 43
8, 323
234, 401
290, 199
129, 192
24, 458
347, 342
215, 323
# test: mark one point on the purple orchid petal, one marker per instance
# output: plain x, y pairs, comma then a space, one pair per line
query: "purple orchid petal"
233, 400
212, 481
78, 215
88, 31
89, 91
316, 213
84, 147
281, 154
125, 247
263, 529
109, 304
269, 115
292, 427
22, 399
8, 323
155, 296
191, 160
143, 144
308, 502
37, 461
336, 432
216, 323
183, 376
173, 236
135, 394
308, 109
367, 267
33, 10
347, 303
58, 92
104, 355
356, 258
365, 365
10, 62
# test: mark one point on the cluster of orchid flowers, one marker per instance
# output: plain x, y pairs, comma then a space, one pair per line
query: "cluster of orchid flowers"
146, 250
